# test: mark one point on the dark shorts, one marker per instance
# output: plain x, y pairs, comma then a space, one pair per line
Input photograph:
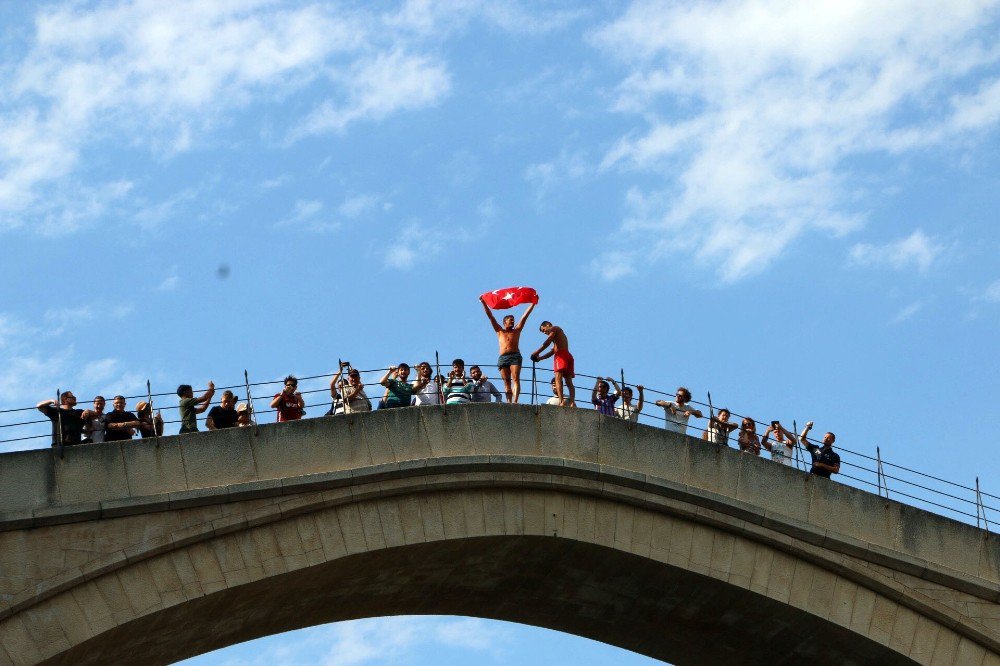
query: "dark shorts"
507, 360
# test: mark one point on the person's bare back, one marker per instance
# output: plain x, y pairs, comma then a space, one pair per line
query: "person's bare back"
559, 340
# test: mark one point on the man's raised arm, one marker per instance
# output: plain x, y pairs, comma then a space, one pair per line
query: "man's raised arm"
206, 399
524, 317
804, 437
489, 313
638, 405
420, 384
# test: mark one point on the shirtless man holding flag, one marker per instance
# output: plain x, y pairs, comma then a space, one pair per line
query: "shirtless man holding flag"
563, 362
509, 335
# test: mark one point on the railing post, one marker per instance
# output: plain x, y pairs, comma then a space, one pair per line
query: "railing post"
800, 463
878, 470
60, 447
533, 394
628, 414
981, 508
711, 413
152, 415
253, 412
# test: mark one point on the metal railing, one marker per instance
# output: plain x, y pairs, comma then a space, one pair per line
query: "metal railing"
967, 503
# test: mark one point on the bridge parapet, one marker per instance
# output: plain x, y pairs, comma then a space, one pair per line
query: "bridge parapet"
37, 487
231, 480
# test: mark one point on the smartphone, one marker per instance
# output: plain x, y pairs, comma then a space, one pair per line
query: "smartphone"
774, 424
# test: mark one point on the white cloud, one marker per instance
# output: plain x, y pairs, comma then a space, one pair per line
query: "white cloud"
147, 72
388, 83
991, 294
430, 17
385, 640
917, 250
276, 182
907, 312
418, 242
304, 215
487, 209
614, 265
752, 109
162, 77
59, 320
171, 282
357, 205
13, 330
567, 166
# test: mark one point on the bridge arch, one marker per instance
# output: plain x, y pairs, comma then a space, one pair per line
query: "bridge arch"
661, 568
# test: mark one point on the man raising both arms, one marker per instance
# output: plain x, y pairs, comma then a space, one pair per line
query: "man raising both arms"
563, 362
509, 363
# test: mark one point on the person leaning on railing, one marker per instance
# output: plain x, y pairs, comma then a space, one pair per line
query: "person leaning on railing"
67, 420
825, 461
120, 425
627, 410
678, 411
719, 428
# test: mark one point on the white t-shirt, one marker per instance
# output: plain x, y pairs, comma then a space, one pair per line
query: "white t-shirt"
717, 435
627, 412
428, 395
553, 401
676, 422
782, 452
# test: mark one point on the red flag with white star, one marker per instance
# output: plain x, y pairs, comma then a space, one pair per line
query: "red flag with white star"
501, 299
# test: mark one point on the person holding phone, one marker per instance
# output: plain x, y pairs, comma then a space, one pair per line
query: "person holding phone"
783, 447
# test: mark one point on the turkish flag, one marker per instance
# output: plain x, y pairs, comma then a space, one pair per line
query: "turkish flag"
501, 299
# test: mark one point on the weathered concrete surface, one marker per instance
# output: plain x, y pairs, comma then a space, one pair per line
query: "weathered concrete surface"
153, 551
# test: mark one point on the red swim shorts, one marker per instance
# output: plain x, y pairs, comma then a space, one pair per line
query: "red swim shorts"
563, 362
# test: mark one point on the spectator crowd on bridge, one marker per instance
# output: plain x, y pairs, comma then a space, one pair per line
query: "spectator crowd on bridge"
72, 426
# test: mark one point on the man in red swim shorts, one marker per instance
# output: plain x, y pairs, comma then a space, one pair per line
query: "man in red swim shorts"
562, 363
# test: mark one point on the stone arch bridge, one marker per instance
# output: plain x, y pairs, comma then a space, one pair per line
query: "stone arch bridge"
153, 551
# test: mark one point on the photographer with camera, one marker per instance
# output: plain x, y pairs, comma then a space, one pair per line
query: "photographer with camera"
348, 395
783, 448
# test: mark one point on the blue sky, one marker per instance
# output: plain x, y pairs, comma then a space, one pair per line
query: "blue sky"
791, 205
